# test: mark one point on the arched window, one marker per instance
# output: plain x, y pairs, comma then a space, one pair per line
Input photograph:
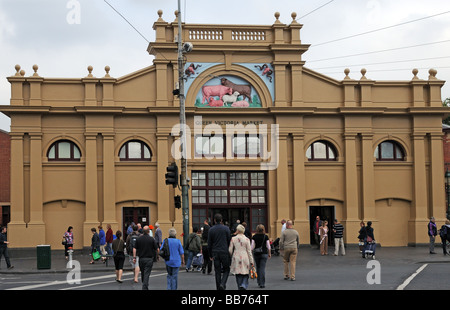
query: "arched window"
135, 151
64, 150
389, 150
321, 150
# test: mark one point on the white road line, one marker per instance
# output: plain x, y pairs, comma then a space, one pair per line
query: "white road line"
74, 286
407, 281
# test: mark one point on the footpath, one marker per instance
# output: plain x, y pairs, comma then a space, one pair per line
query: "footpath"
26, 262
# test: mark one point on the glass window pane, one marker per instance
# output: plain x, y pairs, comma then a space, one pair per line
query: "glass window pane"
146, 152
122, 153
387, 150
76, 152
64, 150
253, 145
216, 145
134, 150
51, 153
320, 150
308, 153
239, 145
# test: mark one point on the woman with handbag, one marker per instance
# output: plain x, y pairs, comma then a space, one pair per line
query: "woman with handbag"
67, 241
261, 252
241, 257
95, 246
118, 246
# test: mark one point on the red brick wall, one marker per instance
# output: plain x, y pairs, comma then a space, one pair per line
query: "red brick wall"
5, 156
446, 149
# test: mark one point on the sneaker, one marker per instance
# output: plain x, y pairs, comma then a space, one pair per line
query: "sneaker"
10, 267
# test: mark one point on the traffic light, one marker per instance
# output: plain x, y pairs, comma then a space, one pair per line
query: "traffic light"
172, 175
177, 199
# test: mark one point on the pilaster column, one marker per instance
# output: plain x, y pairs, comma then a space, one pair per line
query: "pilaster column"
109, 180
91, 187
301, 215
438, 202
163, 207
352, 214
282, 186
419, 206
36, 210
368, 199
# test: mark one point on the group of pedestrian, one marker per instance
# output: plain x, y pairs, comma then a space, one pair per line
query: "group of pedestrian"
444, 234
321, 233
235, 253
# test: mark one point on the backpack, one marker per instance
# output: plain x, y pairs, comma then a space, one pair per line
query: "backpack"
165, 252
132, 244
443, 231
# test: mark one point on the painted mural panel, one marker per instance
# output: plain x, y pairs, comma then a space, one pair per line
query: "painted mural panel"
228, 91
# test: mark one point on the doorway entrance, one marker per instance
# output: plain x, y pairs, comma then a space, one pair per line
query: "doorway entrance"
134, 215
325, 213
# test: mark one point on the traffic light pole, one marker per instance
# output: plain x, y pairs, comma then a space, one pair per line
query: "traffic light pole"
183, 176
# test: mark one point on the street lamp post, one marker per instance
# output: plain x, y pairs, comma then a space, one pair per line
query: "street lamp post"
183, 174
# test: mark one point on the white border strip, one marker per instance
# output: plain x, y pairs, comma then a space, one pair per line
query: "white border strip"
407, 281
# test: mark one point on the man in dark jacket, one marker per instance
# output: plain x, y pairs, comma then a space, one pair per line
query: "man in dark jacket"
219, 238
4, 247
147, 249
432, 233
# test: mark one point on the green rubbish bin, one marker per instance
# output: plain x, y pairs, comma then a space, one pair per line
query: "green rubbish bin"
44, 256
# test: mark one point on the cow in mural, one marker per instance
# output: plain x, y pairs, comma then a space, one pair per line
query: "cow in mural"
209, 91
244, 90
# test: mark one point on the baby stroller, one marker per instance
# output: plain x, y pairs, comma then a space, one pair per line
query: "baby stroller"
369, 250
197, 262
275, 247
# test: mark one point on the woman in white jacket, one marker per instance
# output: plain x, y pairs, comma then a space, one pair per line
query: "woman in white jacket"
241, 257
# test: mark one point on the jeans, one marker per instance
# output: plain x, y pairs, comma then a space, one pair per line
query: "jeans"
172, 277
191, 255
242, 281
145, 265
260, 262
222, 262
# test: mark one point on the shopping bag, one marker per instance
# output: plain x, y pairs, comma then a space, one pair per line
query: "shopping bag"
96, 255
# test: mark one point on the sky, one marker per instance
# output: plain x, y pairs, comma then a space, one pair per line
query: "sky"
63, 37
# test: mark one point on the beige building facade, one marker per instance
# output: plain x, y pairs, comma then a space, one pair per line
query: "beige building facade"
94, 150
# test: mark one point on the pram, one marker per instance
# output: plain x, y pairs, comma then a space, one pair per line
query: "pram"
369, 250
275, 247
197, 262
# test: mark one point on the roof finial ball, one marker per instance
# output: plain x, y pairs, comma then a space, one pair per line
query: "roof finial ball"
107, 68
347, 72
277, 15
90, 71
17, 67
35, 68
363, 72
293, 15
415, 71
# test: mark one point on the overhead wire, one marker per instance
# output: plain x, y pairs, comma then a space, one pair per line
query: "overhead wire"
381, 51
127, 21
380, 29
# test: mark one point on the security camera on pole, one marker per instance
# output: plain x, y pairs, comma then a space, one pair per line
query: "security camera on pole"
183, 48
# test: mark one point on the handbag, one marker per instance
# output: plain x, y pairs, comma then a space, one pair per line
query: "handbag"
96, 255
64, 241
253, 274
